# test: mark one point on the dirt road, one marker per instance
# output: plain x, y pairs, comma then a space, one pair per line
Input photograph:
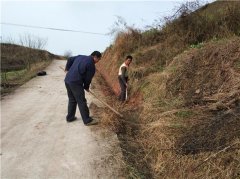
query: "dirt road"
38, 143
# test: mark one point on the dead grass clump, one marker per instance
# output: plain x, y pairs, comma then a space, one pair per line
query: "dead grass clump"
212, 133
126, 42
210, 21
194, 79
151, 37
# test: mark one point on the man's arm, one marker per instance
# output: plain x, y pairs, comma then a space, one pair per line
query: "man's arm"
90, 71
124, 70
69, 63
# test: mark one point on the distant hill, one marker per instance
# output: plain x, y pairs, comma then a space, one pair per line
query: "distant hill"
16, 57
19, 64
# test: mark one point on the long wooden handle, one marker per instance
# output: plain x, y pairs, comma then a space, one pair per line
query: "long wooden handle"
107, 105
62, 68
126, 94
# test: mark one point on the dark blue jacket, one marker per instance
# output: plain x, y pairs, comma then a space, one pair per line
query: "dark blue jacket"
81, 70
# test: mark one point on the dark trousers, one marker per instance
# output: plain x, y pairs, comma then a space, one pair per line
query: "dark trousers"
123, 87
76, 96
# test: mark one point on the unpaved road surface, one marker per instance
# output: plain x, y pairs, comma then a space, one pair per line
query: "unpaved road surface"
36, 141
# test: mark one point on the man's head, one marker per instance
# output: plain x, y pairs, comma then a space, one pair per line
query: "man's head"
96, 56
128, 60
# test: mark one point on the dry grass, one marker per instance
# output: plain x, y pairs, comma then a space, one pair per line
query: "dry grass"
185, 92
168, 136
177, 136
20, 78
19, 64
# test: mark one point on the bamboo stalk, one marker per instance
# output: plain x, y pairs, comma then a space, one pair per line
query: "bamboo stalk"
62, 68
116, 112
214, 155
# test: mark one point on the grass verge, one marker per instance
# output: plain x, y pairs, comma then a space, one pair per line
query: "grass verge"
13, 79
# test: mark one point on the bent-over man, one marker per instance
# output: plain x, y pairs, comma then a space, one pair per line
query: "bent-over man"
80, 71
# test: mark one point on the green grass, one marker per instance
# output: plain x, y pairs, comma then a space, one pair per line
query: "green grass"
199, 45
11, 80
172, 69
12, 75
184, 114
237, 64
215, 39
134, 173
176, 125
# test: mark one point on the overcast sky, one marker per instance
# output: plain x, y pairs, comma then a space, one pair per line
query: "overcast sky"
88, 16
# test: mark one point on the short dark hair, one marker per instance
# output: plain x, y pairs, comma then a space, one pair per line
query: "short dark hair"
97, 54
129, 57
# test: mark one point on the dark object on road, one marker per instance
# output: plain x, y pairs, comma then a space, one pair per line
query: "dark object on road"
41, 73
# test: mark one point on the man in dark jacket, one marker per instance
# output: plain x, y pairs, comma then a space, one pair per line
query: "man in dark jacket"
80, 71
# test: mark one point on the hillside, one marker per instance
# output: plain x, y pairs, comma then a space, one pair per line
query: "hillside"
19, 64
184, 102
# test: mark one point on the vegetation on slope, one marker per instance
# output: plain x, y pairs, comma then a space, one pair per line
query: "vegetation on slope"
185, 95
19, 64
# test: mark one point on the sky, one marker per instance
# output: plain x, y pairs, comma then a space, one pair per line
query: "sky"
84, 16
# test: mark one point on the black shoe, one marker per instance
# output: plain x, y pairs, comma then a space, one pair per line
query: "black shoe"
93, 122
75, 118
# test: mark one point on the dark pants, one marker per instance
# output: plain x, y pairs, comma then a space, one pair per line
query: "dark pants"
123, 87
76, 96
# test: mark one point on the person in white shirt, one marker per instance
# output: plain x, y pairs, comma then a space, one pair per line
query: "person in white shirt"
123, 77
